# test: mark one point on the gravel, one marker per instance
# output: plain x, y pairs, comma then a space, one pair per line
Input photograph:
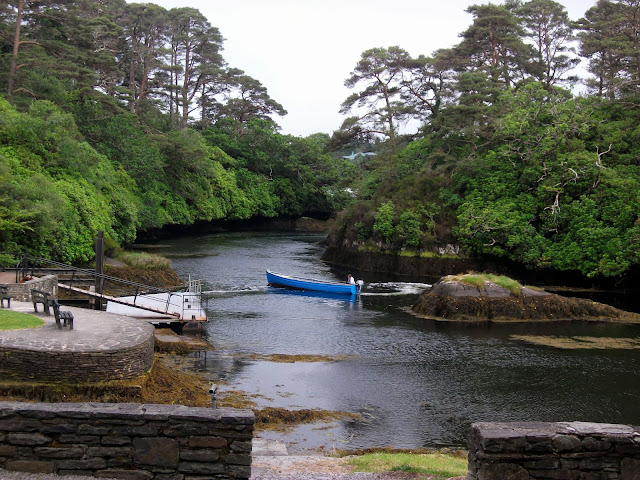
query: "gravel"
6, 475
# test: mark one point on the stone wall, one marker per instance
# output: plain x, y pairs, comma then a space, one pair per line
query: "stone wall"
554, 451
21, 291
126, 441
53, 365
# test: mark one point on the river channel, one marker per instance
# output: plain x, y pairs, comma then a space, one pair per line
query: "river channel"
414, 383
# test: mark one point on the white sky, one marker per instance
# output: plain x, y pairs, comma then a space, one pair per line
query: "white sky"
303, 50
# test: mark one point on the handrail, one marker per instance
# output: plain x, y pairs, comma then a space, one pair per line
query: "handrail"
122, 286
92, 273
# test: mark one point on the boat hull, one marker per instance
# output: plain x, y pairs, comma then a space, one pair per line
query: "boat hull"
286, 281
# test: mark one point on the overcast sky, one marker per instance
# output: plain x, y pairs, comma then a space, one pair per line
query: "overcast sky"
303, 50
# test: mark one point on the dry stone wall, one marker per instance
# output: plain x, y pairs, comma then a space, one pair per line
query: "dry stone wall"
78, 366
22, 291
126, 441
554, 451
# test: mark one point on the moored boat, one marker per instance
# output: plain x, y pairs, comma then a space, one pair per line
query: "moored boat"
298, 283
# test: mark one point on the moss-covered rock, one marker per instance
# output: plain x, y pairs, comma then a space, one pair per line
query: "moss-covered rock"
458, 298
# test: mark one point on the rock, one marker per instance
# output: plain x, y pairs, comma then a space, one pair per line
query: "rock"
453, 299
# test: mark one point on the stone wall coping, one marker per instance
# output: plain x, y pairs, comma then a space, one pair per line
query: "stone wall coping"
505, 431
130, 410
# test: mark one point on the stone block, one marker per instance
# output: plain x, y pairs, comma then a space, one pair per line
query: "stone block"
59, 428
238, 471
30, 466
27, 439
86, 464
558, 474
201, 468
186, 429
169, 476
541, 446
156, 451
237, 459
240, 446
122, 474
203, 455
595, 444
17, 424
59, 452
137, 431
542, 464
115, 441
207, 442
630, 469
82, 439
8, 451
599, 464
109, 452
502, 471
84, 473
566, 443
86, 429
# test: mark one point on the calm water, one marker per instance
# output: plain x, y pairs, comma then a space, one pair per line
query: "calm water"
415, 383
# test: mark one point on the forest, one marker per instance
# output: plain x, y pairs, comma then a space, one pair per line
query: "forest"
519, 142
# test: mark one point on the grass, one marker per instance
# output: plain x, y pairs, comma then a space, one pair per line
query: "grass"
143, 260
439, 465
10, 320
479, 279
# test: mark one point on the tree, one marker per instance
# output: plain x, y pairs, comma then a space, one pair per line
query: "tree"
194, 45
379, 71
246, 99
547, 24
423, 87
494, 44
144, 26
609, 39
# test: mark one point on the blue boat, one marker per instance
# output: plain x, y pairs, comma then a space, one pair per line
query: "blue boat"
287, 281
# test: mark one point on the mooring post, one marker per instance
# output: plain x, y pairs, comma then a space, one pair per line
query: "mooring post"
213, 391
99, 268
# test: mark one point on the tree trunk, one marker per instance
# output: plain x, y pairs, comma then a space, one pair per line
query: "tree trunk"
132, 72
14, 58
185, 86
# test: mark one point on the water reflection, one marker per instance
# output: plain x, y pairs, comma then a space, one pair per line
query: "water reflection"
414, 382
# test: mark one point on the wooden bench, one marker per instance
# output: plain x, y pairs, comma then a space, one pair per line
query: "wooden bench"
65, 316
4, 295
38, 296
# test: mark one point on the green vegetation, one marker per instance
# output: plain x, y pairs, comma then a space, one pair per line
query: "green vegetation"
126, 118
479, 280
442, 466
11, 320
143, 260
508, 162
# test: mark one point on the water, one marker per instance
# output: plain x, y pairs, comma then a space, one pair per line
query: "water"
415, 383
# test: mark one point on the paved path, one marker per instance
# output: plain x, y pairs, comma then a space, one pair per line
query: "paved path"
93, 331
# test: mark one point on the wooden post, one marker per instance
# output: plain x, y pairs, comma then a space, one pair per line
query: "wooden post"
99, 268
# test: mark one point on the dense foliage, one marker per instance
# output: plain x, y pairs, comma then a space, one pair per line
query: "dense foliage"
507, 161
125, 117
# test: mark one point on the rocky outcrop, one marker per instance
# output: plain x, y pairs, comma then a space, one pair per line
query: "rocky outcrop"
454, 300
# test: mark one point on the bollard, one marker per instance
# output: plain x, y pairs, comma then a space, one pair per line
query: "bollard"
213, 391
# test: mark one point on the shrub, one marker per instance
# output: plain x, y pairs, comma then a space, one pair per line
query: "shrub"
383, 225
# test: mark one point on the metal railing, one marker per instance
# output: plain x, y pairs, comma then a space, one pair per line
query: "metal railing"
111, 288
